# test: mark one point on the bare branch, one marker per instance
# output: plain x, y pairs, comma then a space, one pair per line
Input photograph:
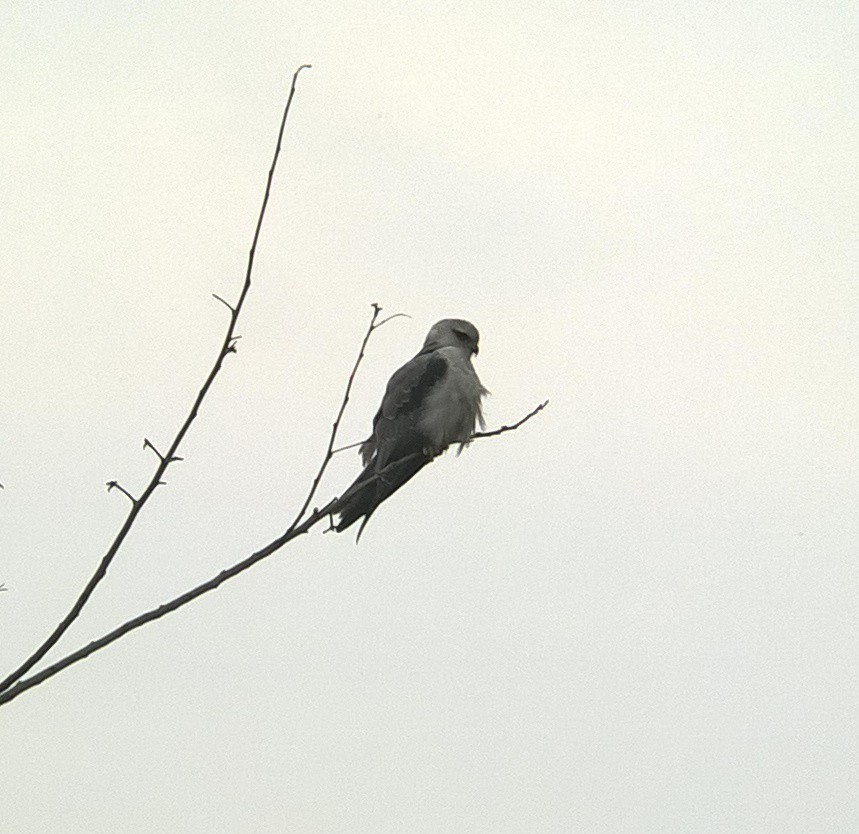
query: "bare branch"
329, 452
386, 320
147, 444
515, 426
183, 599
228, 345
346, 448
16, 683
296, 529
225, 303
291, 533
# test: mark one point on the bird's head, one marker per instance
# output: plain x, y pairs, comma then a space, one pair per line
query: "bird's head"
453, 333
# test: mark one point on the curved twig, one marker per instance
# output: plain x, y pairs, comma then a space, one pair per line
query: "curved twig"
111, 485
515, 426
331, 451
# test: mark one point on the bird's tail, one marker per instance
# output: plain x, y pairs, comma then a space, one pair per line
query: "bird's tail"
372, 487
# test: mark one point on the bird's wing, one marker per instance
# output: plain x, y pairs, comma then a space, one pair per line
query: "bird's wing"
397, 450
395, 426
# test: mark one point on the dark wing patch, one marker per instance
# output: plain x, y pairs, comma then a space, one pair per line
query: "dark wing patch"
412, 384
408, 388
395, 428
398, 446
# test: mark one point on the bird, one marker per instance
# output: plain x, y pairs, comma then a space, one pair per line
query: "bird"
431, 402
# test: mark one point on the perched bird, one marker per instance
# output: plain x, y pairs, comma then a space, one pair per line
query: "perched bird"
431, 402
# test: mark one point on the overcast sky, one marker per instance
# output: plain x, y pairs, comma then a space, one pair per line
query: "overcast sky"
637, 613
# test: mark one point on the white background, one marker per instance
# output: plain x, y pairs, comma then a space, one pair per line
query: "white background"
637, 613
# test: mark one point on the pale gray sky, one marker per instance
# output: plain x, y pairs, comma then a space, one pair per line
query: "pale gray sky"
638, 613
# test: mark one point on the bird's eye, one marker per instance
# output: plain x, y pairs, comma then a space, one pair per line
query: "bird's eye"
461, 335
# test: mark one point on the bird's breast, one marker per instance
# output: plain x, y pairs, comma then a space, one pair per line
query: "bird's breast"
452, 408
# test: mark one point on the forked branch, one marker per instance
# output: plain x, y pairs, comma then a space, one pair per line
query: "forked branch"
16, 683
296, 529
375, 324
137, 504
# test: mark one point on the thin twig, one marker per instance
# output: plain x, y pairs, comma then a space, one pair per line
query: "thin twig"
382, 473
147, 444
330, 451
228, 346
515, 426
225, 303
116, 485
388, 318
346, 448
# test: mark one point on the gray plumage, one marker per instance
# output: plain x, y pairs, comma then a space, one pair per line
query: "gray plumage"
432, 401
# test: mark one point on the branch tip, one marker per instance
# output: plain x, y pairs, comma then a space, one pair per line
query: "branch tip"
111, 485
148, 444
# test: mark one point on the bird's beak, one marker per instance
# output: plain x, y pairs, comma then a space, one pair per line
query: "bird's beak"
476, 350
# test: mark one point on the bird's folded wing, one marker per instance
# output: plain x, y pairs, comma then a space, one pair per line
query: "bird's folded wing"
395, 424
